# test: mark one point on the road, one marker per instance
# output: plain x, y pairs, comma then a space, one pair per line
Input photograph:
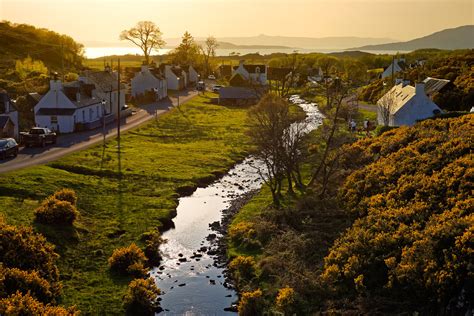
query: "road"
70, 143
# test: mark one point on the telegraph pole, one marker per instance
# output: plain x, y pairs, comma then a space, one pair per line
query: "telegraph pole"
118, 105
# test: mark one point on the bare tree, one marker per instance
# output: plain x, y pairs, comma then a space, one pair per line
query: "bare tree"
209, 51
146, 35
331, 140
283, 78
269, 119
385, 107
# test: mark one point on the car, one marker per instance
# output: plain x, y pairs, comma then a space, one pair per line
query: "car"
38, 136
8, 147
211, 77
200, 86
216, 88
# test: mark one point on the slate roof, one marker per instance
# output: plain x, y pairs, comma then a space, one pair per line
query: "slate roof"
237, 93
274, 73
71, 89
157, 73
103, 80
433, 85
35, 96
253, 68
56, 111
225, 70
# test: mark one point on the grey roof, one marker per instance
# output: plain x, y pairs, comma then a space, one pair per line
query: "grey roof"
237, 93
253, 68
4, 120
56, 111
35, 96
434, 85
103, 80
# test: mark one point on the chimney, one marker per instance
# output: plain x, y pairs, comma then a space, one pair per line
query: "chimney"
55, 85
420, 89
145, 68
78, 96
241, 62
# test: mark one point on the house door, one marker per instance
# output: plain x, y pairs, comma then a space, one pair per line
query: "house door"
54, 124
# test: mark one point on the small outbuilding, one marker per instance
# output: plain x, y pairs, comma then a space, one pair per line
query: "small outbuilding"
237, 96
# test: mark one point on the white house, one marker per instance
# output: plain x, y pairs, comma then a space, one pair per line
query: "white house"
193, 75
65, 107
8, 117
176, 78
106, 88
149, 80
397, 65
404, 105
253, 73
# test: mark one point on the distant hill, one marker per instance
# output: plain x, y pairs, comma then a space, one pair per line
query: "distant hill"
227, 45
455, 38
290, 42
17, 41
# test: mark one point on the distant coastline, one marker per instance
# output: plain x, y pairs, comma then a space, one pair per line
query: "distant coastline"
99, 52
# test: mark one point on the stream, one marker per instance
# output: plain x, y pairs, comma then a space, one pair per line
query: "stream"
192, 281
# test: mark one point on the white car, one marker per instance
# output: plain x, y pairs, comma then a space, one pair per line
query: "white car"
211, 77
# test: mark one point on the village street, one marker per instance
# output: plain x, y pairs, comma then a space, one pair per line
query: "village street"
70, 143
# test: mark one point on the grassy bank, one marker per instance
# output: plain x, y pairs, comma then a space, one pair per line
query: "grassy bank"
123, 196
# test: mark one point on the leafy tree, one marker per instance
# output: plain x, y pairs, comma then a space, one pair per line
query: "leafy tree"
146, 35
187, 53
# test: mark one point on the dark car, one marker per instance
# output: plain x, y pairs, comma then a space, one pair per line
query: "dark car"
8, 147
38, 136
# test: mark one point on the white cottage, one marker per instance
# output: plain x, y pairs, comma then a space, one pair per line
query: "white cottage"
176, 77
106, 88
149, 80
404, 105
66, 107
8, 117
397, 65
253, 73
193, 75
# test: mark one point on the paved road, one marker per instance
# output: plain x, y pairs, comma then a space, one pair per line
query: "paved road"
70, 143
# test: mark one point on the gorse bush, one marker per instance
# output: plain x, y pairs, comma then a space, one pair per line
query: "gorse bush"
286, 300
56, 212
67, 195
243, 234
251, 303
243, 267
413, 197
26, 250
13, 280
153, 242
128, 261
24, 304
141, 297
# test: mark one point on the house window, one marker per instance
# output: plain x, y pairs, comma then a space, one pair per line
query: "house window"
97, 109
257, 70
54, 120
83, 115
91, 114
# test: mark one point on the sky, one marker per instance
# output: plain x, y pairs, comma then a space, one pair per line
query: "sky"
102, 20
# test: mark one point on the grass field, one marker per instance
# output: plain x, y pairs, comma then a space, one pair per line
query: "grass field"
123, 196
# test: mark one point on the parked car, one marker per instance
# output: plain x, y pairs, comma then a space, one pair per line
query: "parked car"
38, 136
216, 87
200, 86
8, 148
211, 77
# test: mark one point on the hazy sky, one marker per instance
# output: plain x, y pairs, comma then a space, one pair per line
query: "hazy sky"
102, 20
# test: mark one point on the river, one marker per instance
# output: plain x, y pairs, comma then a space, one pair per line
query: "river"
190, 278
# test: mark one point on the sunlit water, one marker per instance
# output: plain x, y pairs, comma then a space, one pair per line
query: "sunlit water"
197, 286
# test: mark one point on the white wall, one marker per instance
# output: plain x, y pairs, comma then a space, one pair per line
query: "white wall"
146, 81
193, 75
388, 72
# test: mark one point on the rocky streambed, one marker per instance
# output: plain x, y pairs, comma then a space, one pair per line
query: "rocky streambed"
192, 274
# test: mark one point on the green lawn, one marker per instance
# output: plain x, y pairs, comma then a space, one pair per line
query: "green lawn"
186, 146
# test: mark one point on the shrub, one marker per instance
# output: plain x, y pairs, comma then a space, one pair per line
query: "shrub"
153, 242
242, 268
251, 303
141, 297
56, 212
67, 195
128, 261
19, 304
285, 300
244, 234
24, 249
380, 129
13, 280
